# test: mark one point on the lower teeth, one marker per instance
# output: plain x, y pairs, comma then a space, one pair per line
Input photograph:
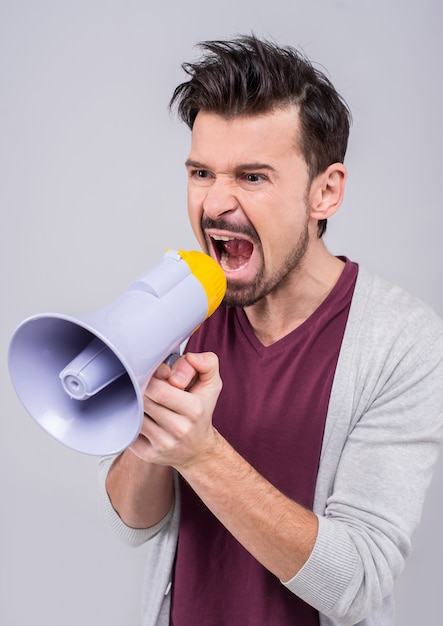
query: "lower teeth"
231, 263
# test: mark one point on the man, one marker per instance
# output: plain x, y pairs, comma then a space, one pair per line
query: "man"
283, 461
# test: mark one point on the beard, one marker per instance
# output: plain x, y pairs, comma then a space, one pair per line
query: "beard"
246, 294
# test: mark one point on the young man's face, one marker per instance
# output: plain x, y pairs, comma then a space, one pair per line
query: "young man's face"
248, 197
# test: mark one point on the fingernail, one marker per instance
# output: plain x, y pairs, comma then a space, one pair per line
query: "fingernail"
162, 371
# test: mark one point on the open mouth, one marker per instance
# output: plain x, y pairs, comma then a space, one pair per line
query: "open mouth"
232, 253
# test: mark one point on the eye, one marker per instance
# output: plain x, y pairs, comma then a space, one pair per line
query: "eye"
251, 177
200, 177
199, 173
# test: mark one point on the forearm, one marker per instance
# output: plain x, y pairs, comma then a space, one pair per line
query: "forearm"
142, 493
278, 532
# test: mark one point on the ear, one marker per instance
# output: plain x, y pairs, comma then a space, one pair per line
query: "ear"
327, 190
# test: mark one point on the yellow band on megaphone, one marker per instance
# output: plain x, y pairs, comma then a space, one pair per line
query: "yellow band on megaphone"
210, 275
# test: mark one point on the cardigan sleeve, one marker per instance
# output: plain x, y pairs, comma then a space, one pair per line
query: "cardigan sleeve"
132, 536
384, 433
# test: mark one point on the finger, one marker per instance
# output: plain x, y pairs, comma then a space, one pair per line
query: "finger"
152, 438
172, 410
160, 395
182, 374
142, 448
205, 364
145, 450
162, 372
153, 430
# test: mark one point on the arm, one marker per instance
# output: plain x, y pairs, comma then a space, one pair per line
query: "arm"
344, 561
383, 433
278, 532
141, 492
385, 436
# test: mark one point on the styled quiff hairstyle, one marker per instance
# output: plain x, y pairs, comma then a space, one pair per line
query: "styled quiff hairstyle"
248, 76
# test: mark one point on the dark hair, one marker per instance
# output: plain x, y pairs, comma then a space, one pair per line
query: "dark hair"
248, 76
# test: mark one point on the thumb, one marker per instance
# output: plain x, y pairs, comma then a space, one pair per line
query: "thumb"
182, 374
205, 364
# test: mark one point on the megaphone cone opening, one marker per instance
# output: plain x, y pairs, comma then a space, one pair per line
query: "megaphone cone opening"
105, 423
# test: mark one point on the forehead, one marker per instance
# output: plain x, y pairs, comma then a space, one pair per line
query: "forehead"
246, 138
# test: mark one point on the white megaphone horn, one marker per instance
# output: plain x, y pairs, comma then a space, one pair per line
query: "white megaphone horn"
82, 379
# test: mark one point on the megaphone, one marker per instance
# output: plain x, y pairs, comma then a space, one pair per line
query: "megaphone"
82, 379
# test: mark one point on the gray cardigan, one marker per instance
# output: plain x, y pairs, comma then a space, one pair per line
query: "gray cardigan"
383, 430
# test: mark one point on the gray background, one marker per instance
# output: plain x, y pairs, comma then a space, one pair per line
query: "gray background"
92, 191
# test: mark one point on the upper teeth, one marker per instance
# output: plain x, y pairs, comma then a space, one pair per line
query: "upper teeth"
221, 238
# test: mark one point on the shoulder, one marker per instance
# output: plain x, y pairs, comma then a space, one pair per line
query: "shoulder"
387, 310
393, 341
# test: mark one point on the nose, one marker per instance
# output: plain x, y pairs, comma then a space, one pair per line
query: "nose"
219, 199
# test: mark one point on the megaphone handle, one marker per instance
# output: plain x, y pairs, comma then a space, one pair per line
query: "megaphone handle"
171, 359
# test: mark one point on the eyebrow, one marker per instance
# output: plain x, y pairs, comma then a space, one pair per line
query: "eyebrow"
241, 167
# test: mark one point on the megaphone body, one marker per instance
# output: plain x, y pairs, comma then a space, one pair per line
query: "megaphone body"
82, 379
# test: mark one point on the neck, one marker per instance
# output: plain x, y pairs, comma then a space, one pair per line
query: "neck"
293, 302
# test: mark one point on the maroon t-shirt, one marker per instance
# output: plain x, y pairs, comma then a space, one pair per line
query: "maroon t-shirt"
272, 410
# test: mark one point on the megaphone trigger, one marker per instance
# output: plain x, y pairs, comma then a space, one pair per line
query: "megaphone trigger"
172, 358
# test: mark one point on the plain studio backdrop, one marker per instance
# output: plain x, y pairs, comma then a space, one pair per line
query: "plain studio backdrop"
92, 191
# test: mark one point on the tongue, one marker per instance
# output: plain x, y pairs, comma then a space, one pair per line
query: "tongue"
238, 247
236, 253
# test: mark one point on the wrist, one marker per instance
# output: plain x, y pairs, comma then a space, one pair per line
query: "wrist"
207, 459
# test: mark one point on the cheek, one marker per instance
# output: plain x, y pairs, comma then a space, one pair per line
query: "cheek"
279, 235
273, 245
